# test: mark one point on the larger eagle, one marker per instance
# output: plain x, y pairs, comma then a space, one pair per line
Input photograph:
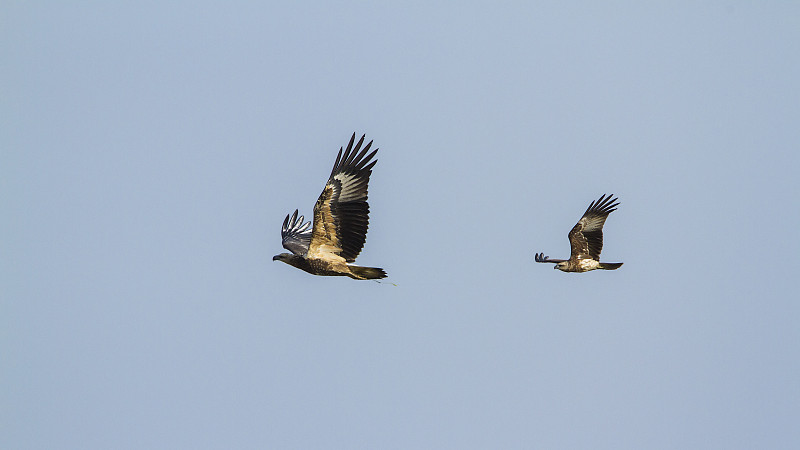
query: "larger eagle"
586, 240
341, 219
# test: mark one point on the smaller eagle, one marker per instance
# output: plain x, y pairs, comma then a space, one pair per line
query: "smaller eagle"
586, 240
341, 219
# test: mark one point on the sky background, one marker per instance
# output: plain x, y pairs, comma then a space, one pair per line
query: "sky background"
149, 152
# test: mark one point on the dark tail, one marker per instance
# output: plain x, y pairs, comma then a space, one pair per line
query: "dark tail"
609, 266
367, 273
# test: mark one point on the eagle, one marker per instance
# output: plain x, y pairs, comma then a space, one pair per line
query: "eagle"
341, 219
586, 240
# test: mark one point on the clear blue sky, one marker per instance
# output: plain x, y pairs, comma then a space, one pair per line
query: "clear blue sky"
149, 152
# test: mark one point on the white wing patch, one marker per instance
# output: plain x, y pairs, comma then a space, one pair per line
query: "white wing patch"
351, 187
304, 227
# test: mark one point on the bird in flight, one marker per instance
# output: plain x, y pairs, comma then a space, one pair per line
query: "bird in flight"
586, 240
341, 219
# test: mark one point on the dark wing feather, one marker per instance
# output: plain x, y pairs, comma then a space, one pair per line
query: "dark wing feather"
539, 257
586, 237
295, 234
341, 215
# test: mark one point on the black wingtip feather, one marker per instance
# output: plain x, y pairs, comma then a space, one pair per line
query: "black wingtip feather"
353, 159
604, 205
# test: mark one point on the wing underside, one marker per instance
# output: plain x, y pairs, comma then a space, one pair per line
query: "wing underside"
296, 235
341, 214
586, 237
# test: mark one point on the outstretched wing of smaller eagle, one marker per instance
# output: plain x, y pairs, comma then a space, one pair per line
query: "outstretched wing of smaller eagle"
296, 235
540, 257
341, 214
586, 237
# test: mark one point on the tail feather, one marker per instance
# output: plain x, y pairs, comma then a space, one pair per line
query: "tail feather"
367, 273
609, 266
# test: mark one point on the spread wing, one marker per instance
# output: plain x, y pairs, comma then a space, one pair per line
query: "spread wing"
586, 237
295, 234
341, 215
539, 257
